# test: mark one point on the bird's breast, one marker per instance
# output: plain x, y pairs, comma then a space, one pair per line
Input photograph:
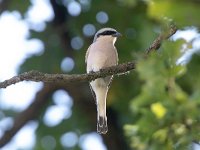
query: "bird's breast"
101, 56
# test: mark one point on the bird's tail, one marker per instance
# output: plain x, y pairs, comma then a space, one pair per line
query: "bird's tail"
102, 127
101, 95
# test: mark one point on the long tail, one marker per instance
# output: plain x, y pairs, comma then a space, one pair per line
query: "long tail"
100, 88
101, 95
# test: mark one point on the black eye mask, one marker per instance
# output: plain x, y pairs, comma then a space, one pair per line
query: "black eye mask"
107, 33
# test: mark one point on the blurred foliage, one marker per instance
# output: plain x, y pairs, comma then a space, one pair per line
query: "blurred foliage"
166, 116
179, 10
158, 104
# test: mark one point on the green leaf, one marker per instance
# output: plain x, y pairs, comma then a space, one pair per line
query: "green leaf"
184, 13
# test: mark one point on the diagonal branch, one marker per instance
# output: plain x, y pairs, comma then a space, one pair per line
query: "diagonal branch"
165, 35
37, 76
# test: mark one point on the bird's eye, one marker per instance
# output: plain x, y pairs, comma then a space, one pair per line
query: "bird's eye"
106, 33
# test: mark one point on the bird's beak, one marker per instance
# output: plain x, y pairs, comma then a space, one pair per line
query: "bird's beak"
117, 34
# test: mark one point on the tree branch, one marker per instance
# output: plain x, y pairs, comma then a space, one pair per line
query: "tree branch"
40, 100
37, 76
165, 35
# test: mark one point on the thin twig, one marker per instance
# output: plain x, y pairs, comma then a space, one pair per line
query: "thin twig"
157, 42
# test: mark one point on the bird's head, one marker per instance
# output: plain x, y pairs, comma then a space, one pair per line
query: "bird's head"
108, 34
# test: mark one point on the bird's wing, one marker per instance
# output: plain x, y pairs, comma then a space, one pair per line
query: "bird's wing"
86, 57
117, 58
93, 94
87, 53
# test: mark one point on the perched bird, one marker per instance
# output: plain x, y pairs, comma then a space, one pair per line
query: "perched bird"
101, 54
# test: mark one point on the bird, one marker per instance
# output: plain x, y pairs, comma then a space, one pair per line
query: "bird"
102, 53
